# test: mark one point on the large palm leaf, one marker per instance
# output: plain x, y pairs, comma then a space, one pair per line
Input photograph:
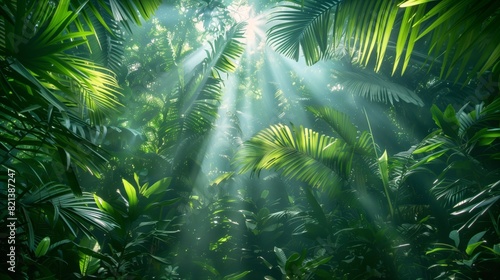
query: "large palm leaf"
125, 12
302, 25
459, 31
106, 46
462, 34
53, 138
296, 152
226, 50
54, 206
338, 121
133, 10
305, 155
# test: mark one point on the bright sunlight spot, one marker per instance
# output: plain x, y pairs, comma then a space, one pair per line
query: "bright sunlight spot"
254, 29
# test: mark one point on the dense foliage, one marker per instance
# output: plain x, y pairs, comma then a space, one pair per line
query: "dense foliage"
218, 139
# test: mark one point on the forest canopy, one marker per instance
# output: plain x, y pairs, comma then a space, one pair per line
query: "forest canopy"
250, 139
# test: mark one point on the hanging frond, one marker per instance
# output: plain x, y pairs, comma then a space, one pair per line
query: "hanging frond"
126, 11
366, 27
462, 32
226, 50
459, 33
181, 130
460, 36
374, 87
106, 46
302, 26
192, 111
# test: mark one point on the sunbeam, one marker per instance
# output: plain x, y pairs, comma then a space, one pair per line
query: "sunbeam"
254, 33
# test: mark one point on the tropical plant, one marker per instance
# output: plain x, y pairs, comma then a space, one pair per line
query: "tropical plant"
329, 163
462, 154
465, 141
296, 266
54, 98
337, 166
143, 229
448, 30
467, 262
52, 215
189, 109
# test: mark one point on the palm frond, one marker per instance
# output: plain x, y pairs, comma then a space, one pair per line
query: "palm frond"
305, 27
375, 87
298, 153
457, 32
41, 57
125, 11
479, 204
461, 31
61, 207
48, 136
366, 28
106, 46
192, 111
225, 50
467, 147
184, 126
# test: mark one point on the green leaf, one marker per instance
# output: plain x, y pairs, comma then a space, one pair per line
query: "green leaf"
414, 2
495, 249
160, 259
318, 261
103, 257
383, 164
42, 247
236, 275
158, 187
474, 242
264, 194
303, 28
281, 256
103, 205
338, 121
131, 194
471, 247
298, 153
375, 86
89, 264
136, 179
266, 263
455, 236
428, 148
293, 258
486, 136
444, 247
207, 267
